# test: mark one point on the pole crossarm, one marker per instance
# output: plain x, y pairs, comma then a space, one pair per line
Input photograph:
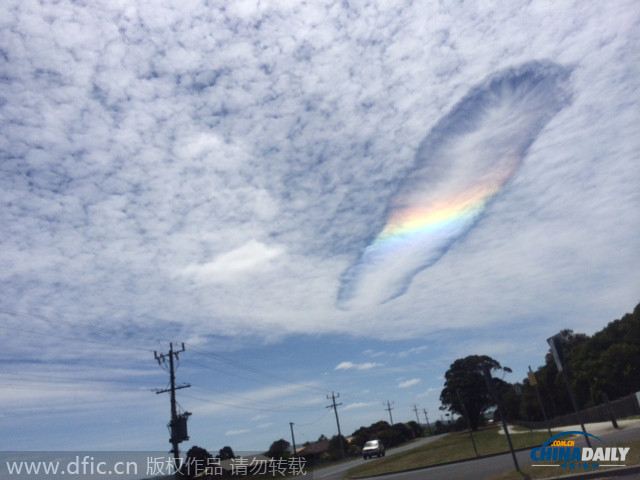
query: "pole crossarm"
177, 387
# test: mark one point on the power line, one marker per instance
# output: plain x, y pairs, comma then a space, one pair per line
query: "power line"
66, 380
240, 407
315, 421
260, 403
253, 380
46, 387
116, 332
249, 368
119, 333
109, 331
75, 339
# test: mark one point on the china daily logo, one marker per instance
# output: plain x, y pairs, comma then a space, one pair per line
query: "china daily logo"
572, 457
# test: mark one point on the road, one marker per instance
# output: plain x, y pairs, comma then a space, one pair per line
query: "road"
487, 467
336, 472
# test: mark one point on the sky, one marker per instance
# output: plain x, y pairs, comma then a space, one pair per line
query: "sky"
314, 197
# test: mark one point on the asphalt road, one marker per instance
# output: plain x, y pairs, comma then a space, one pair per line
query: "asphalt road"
336, 472
487, 467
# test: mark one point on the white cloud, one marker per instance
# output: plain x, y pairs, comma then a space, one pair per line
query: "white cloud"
232, 433
356, 405
430, 392
357, 366
409, 383
413, 351
246, 259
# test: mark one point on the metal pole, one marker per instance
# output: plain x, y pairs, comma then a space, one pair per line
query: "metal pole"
575, 406
534, 383
487, 377
556, 351
464, 409
605, 399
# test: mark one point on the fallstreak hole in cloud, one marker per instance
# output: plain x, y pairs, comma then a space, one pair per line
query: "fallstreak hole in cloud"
464, 161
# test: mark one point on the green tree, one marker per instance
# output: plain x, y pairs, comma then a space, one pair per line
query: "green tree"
335, 447
196, 461
416, 429
360, 437
465, 376
606, 363
226, 453
279, 449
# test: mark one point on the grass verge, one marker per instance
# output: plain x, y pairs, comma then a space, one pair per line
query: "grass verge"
453, 447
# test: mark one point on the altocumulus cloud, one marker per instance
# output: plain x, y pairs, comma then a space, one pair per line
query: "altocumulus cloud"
244, 170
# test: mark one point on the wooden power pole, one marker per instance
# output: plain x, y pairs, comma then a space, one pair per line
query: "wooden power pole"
178, 424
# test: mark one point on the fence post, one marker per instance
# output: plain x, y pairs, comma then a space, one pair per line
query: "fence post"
605, 398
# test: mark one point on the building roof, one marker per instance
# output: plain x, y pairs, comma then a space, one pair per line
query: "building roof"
320, 446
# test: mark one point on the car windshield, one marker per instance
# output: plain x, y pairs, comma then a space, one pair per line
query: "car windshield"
372, 443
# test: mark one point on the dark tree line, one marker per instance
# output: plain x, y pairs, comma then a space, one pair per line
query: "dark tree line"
608, 362
391, 435
198, 460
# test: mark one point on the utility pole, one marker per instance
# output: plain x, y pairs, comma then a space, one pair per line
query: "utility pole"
426, 417
293, 439
415, 409
335, 409
178, 424
388, 409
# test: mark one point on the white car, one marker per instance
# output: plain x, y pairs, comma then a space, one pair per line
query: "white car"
371, 448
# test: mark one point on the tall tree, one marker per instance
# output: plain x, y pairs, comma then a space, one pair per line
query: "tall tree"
226, 453
196, 462
279, 449
465, 376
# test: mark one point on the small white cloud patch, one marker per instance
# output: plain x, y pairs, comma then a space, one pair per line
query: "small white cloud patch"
248, 258
409, 383
357, 366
